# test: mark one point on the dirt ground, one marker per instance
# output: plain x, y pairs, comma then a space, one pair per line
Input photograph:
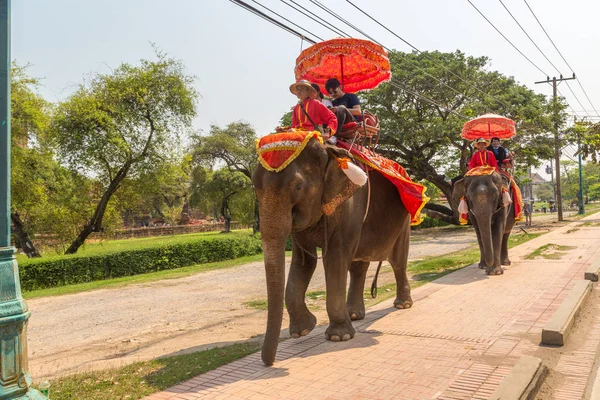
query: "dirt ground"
112, 327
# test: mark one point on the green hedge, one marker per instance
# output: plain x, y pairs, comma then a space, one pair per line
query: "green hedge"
429, 222
67, 270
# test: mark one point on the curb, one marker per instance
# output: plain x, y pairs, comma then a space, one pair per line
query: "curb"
592, 272
558, 328
523, 381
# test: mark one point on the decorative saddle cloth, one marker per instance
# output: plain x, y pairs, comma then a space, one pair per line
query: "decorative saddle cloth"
411, 193
277, 151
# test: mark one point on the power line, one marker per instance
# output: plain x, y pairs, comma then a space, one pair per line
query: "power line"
561, 55
325, 8
392, 82
507, 39
264, 16
284, 18
315, 18
529, 37
540, 50
427, 56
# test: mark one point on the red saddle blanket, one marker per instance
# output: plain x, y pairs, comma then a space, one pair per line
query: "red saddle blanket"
411, 193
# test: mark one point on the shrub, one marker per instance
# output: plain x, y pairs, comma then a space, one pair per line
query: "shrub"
429, 222
67, 270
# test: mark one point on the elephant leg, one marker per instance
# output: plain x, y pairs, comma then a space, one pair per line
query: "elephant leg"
482, 263
337, 261
399, 261
504, 253
356, 303
507, 230
498, 224
302, 321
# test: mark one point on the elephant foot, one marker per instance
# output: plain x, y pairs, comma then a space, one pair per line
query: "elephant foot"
482, 265
403, 303
494, 271
506, 262
302, 326
356, 311
340, 332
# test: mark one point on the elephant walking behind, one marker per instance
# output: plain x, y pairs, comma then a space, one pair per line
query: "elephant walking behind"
492, 219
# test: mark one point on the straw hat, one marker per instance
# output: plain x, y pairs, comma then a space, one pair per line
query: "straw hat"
304, 83
482, 140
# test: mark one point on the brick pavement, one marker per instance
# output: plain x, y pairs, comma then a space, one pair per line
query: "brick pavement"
460, 339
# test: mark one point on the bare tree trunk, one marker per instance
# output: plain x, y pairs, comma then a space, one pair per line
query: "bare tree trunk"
95, 224
22, 237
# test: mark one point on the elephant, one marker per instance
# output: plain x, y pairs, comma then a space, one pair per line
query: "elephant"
493, 221
314, 201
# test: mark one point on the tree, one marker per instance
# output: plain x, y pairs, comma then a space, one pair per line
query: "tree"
29, 120
162, 189
216, 191
119, 124
233, 145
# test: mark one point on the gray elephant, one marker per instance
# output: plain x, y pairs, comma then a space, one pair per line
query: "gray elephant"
493, 221
314, 201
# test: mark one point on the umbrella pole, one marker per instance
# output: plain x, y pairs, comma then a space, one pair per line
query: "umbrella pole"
342, 69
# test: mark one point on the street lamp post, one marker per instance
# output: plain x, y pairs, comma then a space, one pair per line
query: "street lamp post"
15, 382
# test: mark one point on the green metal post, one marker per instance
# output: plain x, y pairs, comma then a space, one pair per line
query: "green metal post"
581, 205
15, 382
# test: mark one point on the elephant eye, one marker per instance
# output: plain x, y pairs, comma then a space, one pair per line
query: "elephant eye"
298, 186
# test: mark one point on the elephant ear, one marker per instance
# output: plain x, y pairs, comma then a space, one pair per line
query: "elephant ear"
337, 187
458, 191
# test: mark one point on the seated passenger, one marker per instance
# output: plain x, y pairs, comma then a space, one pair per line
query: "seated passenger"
309, 113
483, 156
500, 152
348, 100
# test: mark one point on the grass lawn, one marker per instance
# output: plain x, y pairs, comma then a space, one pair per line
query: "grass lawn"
111, 246
144, 378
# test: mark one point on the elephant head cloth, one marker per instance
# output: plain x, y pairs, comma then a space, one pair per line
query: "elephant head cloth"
277, 151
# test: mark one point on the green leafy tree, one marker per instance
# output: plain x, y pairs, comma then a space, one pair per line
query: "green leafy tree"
425, 137
234, 146
216, 192
46, 198
117, 125
162, 189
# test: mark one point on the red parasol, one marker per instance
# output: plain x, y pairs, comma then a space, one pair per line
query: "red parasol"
488, 126
358, 64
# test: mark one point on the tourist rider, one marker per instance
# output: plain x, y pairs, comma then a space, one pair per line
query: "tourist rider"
500, 152
482, 156
345, 105
309, 113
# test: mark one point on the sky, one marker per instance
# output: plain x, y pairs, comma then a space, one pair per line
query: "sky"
244, 65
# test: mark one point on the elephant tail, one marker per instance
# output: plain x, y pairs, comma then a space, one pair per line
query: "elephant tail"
374, 284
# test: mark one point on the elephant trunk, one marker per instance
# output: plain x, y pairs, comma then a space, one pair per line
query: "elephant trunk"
484, 223
275, 231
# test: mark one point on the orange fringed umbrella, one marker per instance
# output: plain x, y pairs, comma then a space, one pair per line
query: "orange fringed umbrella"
358, 64
488, 126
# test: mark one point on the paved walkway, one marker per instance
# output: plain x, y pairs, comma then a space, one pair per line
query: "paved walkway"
460, 339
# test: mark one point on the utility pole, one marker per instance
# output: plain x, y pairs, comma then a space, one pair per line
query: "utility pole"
555, 82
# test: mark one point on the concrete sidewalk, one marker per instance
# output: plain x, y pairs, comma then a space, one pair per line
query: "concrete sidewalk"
460, 339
